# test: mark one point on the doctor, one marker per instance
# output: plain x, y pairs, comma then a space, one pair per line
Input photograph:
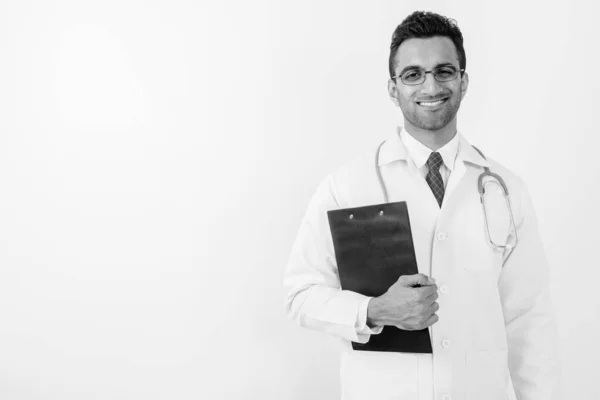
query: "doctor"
488, 310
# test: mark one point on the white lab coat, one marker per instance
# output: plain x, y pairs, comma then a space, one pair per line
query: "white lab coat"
495, 312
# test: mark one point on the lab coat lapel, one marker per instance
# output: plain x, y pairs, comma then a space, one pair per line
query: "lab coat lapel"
455, 178
463, 178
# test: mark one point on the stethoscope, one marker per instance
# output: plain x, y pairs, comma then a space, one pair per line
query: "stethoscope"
496, 179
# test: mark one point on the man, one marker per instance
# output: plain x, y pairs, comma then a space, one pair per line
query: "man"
487, 307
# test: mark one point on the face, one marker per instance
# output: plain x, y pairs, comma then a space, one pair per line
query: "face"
431, 105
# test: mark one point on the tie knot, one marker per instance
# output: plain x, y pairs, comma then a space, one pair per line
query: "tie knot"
434, 161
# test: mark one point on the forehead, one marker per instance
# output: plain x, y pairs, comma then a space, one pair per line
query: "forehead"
426, 53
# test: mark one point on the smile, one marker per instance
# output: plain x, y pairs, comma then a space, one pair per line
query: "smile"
434, 103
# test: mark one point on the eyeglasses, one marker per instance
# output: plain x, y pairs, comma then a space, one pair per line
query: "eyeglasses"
417, 76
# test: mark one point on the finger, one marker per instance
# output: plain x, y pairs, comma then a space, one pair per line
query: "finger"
417, 324
426, 291
431, 320
410, 324
426, 309
414, 280
431, 299
433, 296
434, 307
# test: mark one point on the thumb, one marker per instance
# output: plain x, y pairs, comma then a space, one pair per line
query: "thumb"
417, 279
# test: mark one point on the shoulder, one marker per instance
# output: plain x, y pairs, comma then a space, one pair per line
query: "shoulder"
518, 192
479, 156
356, 167
353, 182
513, 181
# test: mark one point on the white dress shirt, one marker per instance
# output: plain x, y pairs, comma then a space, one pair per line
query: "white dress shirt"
418, 154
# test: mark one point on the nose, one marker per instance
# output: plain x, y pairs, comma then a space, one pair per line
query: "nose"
430, 87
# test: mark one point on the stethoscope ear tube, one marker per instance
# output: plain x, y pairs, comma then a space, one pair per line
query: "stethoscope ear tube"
379, 177
481, 187
513, 229
485, 173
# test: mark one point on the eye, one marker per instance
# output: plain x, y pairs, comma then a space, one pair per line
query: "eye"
411, 76
445, 72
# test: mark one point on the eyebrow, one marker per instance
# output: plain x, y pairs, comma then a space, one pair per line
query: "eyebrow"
410, 67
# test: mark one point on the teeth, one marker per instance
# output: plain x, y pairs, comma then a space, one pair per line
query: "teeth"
431, 103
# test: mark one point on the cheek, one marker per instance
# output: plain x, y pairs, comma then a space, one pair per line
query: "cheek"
405, 98
458, 90
405, 104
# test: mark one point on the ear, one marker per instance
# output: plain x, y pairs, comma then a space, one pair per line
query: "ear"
393, 92
464, 85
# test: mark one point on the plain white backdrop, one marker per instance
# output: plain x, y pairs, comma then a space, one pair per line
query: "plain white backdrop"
156, 158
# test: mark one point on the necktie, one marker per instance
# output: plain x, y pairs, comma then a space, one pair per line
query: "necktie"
434, 178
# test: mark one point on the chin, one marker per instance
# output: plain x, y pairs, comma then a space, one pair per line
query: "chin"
431, 125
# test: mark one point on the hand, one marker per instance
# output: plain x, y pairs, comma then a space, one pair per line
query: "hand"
409, 304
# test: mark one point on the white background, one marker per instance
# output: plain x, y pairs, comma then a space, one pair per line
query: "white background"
156, 158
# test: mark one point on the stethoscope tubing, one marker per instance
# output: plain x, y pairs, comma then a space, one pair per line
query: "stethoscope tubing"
481, 188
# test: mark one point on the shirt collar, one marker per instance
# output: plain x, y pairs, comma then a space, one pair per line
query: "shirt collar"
394, 149
420, 153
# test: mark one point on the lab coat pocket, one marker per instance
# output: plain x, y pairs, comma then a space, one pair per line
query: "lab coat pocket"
487, 374
379, 375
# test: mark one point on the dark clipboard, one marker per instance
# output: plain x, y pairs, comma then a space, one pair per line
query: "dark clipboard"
373, 248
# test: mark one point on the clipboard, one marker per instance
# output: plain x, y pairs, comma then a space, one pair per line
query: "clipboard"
373, 248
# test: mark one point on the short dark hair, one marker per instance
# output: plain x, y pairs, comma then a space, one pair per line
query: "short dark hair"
425, 24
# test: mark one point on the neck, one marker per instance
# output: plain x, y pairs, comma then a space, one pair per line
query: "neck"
433, 139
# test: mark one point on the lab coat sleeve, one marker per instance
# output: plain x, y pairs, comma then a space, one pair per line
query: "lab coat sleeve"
528, 311
313, 296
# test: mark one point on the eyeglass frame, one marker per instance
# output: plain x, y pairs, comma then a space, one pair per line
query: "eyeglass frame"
429, 72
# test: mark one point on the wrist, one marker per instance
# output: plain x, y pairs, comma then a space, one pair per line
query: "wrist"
375, 312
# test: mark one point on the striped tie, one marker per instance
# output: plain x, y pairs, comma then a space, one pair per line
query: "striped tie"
434, 178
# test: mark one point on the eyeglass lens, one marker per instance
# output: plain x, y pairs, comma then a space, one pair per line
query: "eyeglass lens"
441, 74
